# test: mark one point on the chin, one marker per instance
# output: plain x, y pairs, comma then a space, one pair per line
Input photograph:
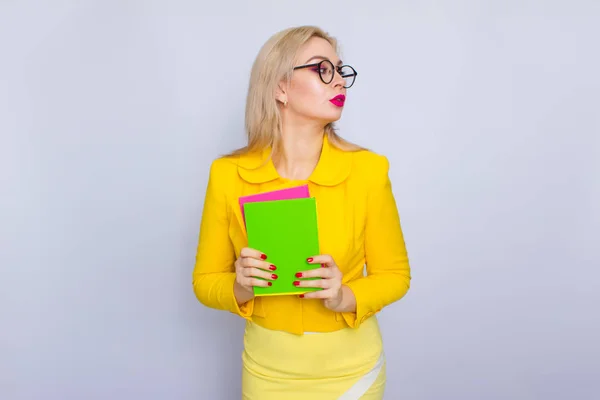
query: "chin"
332, 117
324, 117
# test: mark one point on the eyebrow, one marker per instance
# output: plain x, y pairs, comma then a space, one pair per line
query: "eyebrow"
322, 58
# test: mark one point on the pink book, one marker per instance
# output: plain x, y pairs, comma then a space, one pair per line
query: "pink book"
297, 192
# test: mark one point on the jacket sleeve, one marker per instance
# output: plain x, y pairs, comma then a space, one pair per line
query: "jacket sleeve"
388, 271
213, 276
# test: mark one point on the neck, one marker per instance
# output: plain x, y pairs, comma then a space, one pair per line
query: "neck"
300, 150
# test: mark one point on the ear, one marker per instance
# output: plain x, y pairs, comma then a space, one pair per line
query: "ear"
281, 93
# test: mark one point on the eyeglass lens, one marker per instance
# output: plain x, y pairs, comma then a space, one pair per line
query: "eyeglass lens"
326, 71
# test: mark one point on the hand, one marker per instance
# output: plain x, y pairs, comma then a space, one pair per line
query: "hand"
252, 265
332, 293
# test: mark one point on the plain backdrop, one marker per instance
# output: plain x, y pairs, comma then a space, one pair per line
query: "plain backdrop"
112, 111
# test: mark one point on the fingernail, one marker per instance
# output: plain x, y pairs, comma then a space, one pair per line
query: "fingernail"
309, 259
301, 296
270, 283
272, 267
263, 256
274, 276
323, 266
296, 283
299, 275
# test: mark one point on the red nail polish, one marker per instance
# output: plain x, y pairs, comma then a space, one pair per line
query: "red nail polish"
299, 275
274, 276
296, 283
263, 256
323, 266
270, 283
301, 296
272, 267
309, 259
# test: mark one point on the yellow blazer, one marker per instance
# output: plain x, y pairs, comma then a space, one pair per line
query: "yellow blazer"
358, 225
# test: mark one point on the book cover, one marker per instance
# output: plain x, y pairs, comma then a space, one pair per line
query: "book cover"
296, 192
287, 232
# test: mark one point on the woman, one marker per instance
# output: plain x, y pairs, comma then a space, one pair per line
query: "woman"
324, 344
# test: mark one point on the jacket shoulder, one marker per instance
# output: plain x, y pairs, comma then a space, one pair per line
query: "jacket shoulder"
223, 176
371, 165
222, 167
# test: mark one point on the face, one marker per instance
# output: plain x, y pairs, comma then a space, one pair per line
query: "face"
308, 97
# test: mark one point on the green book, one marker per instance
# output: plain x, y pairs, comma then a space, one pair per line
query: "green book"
287, 232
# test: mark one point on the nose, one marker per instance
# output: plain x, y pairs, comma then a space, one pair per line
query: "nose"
338, 81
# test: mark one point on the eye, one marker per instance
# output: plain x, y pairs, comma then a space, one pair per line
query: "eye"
326, 70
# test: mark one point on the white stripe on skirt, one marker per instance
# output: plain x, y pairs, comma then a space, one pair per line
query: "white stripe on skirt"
359, 388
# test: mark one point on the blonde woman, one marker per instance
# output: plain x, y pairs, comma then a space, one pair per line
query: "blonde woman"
325, 344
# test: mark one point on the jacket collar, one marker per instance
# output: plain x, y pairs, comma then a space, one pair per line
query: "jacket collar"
332, 169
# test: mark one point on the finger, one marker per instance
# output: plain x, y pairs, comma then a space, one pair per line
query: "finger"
324, 259
259, 273
257, 282
248, 262
252, 253
316, 273
319, 294
313, 283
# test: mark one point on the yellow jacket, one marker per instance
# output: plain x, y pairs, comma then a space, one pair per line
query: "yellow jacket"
358, 225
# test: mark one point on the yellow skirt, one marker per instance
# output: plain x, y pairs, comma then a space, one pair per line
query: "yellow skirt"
348, 364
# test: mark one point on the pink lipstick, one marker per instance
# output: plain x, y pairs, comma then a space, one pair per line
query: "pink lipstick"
338, 100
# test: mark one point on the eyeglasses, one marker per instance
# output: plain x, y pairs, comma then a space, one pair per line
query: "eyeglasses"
326, 72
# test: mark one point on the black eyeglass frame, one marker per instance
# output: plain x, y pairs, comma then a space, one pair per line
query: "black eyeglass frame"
338, 69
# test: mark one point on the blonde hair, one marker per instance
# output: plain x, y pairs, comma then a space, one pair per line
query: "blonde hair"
274, 62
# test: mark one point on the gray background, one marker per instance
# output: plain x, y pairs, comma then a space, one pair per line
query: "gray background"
111, 112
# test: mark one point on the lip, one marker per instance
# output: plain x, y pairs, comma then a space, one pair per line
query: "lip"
338, 100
